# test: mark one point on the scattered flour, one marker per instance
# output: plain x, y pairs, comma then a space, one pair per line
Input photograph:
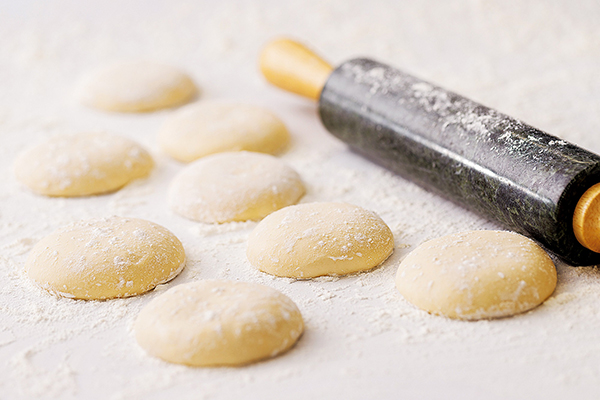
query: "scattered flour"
533, 60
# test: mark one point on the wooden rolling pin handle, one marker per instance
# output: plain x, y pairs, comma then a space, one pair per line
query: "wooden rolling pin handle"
586, 219
291, 66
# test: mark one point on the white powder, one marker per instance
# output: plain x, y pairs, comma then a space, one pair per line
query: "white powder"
536, 61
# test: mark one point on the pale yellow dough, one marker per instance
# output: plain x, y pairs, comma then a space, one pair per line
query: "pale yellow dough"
82, 164
135, 86
236, 186
315, 239
212, 323
212, 127
105, 258
477, 274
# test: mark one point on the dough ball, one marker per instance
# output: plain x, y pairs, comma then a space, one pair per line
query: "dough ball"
82, 164
317, 239
135, 86
209, 127
105, 258
235, 186
210, 323
476, 275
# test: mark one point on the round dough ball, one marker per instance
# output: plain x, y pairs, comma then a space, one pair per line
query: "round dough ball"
210, 323
82, 164
477, 274
317, 239
135, 86
237, 186
209, 127
105, 258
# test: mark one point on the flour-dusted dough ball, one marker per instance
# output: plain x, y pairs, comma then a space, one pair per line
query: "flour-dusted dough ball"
211, 323
236, 186
82, 164
211, 127
317, 239
105, 258
477, 274
135, 86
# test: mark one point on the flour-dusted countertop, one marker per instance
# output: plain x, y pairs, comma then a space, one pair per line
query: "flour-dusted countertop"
537, 61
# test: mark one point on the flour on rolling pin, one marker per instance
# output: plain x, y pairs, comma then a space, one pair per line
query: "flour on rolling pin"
485, 161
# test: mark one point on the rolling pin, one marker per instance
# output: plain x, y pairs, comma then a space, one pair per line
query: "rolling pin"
481, 159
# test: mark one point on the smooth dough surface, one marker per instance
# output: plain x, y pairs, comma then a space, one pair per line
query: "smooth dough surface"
82, 164
211, 323
212, 127
237, 186
477, 274
315, 239
105, 258
135, 86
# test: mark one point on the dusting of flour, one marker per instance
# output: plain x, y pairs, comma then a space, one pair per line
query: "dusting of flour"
536, 61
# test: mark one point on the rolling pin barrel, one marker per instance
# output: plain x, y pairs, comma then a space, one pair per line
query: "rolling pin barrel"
486, 161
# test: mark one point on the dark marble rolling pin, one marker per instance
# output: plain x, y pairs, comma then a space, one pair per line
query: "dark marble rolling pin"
488, 162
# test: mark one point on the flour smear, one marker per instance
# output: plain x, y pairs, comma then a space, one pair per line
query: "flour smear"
536, 61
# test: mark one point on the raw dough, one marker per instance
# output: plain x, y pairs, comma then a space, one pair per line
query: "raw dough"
135, 86
317, 239
210, 127
236, 186
105, 258
82, 164
210, 323
477, 274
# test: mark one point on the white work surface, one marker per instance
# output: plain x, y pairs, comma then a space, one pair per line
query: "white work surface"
536, 60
